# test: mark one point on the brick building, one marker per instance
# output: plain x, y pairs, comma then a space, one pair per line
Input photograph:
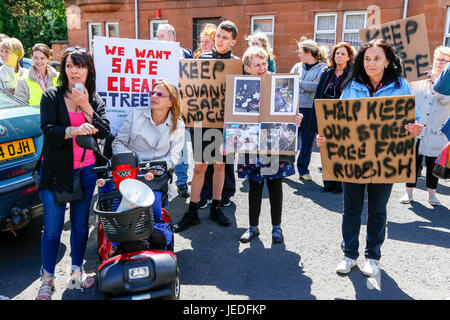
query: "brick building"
284, 21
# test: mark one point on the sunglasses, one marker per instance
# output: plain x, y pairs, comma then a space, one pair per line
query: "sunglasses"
158, 94
76, 49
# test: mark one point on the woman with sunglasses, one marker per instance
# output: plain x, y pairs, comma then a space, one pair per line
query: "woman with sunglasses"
156, 133
434, 110
330, 87
40, 77
11, 51
66, 112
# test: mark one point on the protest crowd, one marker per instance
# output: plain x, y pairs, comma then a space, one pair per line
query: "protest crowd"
159, 132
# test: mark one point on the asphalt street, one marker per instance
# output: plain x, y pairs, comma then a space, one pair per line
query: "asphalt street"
215, 265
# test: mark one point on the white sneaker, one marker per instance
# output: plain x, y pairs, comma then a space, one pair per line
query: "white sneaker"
406, 198
371, 267
75, 278
434, 201
345, 265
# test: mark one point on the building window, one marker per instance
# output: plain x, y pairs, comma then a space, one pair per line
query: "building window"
197, 26
154, 27
263, 24
447, 29
112, 29
325, 29
95, 29
353, 21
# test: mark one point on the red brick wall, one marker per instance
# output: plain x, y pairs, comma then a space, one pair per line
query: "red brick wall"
293, 19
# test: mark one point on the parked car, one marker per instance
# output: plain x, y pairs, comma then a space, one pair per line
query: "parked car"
21, 141
27, 63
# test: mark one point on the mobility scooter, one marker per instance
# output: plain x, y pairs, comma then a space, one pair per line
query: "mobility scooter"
136, 251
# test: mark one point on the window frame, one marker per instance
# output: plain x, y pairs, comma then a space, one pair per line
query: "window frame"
252, 24
344, 20
325, 14
447, 25
90, 35
153, 23
107, 29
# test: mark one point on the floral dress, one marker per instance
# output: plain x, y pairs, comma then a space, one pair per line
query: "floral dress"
250, 167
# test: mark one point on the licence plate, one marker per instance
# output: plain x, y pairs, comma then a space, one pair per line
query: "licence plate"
18, 148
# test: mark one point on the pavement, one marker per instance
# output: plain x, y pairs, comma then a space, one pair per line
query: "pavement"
215, 265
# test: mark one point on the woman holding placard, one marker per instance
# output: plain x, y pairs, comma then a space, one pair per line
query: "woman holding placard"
330, 87
376, 72
255, 63
434, 109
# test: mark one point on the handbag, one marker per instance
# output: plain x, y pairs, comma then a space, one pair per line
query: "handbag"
442, 167
77, 194
160, 183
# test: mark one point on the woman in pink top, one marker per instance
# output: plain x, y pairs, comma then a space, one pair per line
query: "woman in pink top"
66, 113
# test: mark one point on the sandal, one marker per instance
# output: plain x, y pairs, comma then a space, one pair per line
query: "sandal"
88, 282
46, 290
277, 235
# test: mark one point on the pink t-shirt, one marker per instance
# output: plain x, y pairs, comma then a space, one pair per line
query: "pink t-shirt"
77, 119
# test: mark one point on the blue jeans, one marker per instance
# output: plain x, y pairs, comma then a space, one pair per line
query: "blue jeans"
54, 222
182, 167
306, 136
377, 198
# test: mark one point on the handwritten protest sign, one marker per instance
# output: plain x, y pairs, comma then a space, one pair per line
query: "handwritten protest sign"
366, 141
410, 40
202, 89
260, 114
126, 70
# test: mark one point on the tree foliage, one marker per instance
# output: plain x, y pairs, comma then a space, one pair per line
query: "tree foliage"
33, 21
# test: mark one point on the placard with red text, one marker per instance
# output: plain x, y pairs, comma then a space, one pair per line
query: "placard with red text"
126, 70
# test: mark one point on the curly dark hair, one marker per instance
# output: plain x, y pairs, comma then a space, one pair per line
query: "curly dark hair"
357, 70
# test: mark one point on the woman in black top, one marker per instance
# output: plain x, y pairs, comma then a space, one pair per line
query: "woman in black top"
330, 87
66, 113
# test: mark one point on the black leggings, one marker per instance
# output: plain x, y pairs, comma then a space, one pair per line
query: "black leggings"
275, 188
430, 162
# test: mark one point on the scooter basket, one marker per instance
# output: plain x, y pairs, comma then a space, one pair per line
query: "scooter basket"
130, 225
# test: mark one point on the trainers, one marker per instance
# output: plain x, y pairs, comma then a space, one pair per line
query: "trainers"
225, 202
75, 278
371, 267
345, 265
183, 190
203, 203
218, 216
406, 198
434, 201
249, 235
306, 177
189, 219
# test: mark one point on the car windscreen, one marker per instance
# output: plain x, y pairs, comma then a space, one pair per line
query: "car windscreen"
9, 101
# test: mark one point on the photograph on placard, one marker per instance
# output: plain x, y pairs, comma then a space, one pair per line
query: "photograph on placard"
284, 96
241, 136
247, 95
280, 136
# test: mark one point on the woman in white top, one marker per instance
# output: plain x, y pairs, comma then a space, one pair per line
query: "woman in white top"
11, 51
434, 110
156, 133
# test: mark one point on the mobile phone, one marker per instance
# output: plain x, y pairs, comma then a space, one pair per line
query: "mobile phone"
79, 86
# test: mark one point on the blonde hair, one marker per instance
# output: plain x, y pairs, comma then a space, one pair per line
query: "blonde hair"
442, 50
252, 52
264, 42
176, 102
209, 30
13, 45
319, 53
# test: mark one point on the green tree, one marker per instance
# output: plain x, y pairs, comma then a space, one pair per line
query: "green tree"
33, 21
